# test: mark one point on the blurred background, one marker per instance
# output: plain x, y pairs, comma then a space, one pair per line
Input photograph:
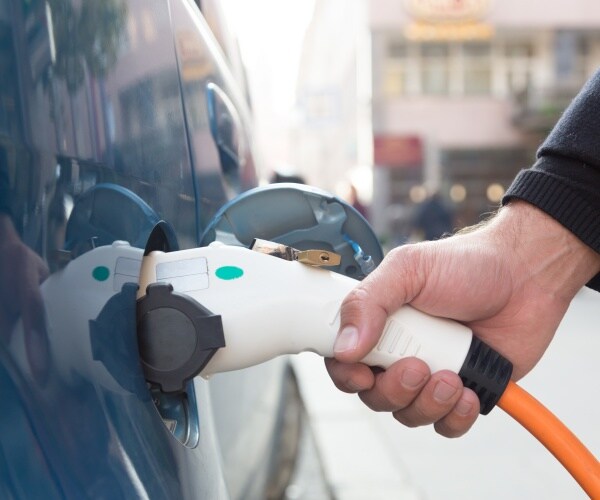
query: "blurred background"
421, 112
406, 98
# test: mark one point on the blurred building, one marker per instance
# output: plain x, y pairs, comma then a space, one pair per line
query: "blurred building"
331, 138
464, 92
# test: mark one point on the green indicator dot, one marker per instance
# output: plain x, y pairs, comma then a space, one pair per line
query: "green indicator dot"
229, 272
101, 273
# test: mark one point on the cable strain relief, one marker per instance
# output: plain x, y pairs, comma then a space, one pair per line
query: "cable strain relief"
486, 372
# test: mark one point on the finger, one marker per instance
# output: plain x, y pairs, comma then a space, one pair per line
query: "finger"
461, 418
434, 402
350, 377
364, 311
398, 386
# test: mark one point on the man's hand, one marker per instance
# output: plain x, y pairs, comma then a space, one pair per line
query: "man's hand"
510, 280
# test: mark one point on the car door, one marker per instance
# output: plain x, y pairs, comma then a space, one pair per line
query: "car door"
102, 134
247, 405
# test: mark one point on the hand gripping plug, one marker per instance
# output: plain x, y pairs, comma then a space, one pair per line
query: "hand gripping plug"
270, 306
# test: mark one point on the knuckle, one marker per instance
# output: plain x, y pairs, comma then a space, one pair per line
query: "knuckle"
397, 392
398, 401
374, 399
355, 298
406, 419
360, 307
406, 255
413, 416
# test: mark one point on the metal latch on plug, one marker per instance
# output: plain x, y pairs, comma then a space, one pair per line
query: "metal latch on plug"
317, 258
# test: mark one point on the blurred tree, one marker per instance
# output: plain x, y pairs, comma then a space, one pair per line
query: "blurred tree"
87, 33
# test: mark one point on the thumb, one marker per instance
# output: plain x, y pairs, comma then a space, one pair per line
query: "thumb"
364, 311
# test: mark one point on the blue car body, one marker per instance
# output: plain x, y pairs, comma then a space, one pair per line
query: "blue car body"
115, 114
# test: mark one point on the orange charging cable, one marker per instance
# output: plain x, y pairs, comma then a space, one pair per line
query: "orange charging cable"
553, 434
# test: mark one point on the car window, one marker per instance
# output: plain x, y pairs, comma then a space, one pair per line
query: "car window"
216, 112
81, 103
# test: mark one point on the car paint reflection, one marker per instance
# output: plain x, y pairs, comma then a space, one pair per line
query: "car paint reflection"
92, 93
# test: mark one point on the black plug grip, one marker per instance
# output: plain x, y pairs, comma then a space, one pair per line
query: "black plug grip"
486, 372
177, 336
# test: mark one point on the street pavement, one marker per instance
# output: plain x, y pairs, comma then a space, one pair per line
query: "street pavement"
363, 455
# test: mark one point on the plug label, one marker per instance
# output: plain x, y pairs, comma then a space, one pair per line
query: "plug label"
184, 275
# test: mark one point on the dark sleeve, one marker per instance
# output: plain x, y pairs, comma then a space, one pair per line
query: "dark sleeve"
565, 180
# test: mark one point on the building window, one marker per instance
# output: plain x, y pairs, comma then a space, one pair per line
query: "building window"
518, 56
435, 69
571, 52
477, 69
395, 78
503, 67
397, 50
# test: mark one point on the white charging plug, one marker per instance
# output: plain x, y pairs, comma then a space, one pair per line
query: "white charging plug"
219, 308
271, 307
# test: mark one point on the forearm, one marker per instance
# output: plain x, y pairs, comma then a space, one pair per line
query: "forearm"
544, 250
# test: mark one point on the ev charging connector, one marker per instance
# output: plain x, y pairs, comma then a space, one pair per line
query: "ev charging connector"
270, 306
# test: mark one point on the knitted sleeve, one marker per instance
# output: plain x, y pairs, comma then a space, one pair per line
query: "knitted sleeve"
565, 180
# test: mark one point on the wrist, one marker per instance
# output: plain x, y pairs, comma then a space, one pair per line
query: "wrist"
544, 250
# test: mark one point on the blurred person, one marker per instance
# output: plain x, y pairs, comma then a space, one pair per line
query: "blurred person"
510, 279
433, 219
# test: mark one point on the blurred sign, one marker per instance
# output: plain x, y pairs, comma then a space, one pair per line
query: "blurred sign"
398, 151
443, 11
448, 20
448, 32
